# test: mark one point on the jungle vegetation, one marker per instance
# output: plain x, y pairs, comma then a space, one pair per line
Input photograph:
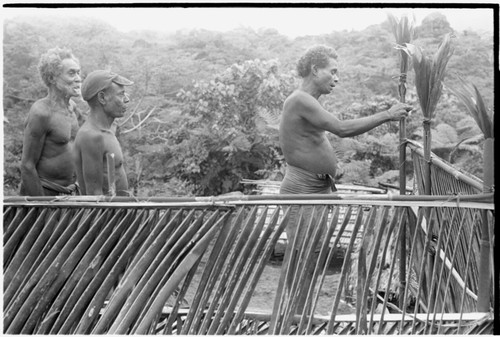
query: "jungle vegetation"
206, 105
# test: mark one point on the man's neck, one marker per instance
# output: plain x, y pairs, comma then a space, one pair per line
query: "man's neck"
100, 120
58, 98
309, 87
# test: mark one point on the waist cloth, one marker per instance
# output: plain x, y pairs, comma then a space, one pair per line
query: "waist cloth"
300, 181
71, 189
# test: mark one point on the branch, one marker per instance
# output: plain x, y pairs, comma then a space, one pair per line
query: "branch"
133, 112
142, 121
17, 98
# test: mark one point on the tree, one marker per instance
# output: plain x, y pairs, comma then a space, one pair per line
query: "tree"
221, 138
434, 25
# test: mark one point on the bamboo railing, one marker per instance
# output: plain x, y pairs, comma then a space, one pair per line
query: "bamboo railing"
88, 265
446, 180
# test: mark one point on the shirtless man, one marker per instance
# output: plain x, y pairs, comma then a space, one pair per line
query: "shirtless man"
47, 163
311, 161
105, 93
310, 157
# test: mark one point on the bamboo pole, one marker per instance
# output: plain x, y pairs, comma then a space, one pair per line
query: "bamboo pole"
13, 225
215, 201
322, 256
261, 264
85, 271
345, 266
25, 247
215, 263
263, 249
233, 287
110, 162
483, 303
77, 251
403, 30
183, 268
23, 294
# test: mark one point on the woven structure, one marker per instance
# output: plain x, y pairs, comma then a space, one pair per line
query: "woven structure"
121, 266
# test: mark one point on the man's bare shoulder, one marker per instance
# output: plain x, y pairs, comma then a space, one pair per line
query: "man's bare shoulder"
89, 135
41, 109
300, 101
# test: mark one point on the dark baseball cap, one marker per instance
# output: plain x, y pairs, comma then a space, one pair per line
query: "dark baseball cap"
99, 80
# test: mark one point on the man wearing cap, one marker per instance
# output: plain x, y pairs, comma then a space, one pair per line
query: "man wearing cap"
47, 163
96, 141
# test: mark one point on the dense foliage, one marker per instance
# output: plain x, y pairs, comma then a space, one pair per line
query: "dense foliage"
205, 105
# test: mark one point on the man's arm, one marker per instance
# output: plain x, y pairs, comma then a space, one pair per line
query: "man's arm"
92, 156
310, 109
35, 133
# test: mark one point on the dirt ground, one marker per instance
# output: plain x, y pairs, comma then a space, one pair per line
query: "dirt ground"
266, 288
264, 294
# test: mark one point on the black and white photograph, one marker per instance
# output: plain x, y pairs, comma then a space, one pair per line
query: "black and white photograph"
249, 168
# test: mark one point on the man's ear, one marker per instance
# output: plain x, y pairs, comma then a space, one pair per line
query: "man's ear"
101, 97
314, 69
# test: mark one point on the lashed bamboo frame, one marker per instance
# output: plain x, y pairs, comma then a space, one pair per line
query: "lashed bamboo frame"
68, 291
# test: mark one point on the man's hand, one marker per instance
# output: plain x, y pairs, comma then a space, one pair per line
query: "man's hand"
398, 111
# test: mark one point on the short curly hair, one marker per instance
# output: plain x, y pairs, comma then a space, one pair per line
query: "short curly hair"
50, 64
318, 55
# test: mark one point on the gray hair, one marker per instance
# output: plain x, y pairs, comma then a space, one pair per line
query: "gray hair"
50, 64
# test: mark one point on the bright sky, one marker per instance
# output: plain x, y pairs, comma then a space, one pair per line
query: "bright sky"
288, 20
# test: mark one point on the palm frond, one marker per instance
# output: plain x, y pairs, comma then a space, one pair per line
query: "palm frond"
473, 101
429, 73
271, 118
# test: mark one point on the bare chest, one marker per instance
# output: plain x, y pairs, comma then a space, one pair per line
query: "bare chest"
62, 128
112, 146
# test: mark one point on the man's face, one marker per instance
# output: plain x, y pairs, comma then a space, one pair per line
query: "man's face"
116, 101
328, 77
69, 81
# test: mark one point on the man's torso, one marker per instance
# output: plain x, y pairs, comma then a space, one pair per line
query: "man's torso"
56, 162
304, 145
110, 145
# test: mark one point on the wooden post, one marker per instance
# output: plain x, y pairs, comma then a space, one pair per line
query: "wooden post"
110, 161
483, 300
402, 191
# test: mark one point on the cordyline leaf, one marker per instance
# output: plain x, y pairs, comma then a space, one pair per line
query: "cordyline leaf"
403, 32
429, 73
439, 62
473, 101
403, 29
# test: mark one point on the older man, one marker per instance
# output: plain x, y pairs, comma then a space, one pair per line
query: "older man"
47, 164
96, 142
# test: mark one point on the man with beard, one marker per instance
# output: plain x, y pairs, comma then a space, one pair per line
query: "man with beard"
47, 163
96, 142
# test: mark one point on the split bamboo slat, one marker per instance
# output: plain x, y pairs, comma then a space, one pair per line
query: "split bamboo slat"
195, 266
